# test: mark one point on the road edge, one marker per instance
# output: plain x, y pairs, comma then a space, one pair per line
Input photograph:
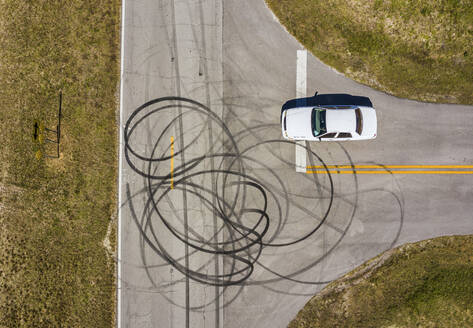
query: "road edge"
120, 168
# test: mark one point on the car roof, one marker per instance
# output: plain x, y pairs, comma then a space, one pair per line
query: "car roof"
340, 120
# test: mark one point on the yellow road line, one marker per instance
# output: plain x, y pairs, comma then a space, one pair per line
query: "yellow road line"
388, 172
392, 166
172, 162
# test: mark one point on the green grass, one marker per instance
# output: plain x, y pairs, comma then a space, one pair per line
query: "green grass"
55, 213
426, 284
418, 49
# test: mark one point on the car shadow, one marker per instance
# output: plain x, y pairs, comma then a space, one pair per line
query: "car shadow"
327, 99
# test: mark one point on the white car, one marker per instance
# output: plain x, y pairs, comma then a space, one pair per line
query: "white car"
329, 123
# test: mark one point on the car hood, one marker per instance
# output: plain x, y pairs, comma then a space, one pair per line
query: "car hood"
370, 124
298, 123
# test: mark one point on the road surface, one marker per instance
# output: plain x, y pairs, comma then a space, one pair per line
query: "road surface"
220, 223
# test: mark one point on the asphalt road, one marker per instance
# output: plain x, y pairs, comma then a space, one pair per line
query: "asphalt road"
217, 229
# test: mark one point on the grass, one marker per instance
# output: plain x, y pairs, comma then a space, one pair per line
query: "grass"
417, 49
57, 215
425, 284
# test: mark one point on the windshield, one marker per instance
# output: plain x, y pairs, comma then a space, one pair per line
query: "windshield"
318, 122
359, 121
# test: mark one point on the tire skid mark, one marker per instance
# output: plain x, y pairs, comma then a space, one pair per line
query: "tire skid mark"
250, 203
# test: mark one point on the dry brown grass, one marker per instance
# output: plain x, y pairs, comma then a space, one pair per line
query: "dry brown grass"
425, 284
55, 213
418, 49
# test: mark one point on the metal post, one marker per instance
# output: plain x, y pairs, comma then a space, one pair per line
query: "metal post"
58, 128
39, 128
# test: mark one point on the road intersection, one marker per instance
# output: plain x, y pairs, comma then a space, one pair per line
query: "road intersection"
217, 229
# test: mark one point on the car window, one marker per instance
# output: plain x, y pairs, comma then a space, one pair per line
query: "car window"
344, 135
318, 122
328, 135
359, 121
338, 106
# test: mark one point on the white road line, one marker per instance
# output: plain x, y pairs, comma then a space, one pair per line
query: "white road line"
120, 170
301, 92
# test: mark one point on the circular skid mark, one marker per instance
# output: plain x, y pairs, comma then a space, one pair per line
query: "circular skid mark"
232, 210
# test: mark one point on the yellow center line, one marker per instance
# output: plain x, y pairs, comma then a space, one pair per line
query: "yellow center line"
172, 162
377, 166
387, 172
